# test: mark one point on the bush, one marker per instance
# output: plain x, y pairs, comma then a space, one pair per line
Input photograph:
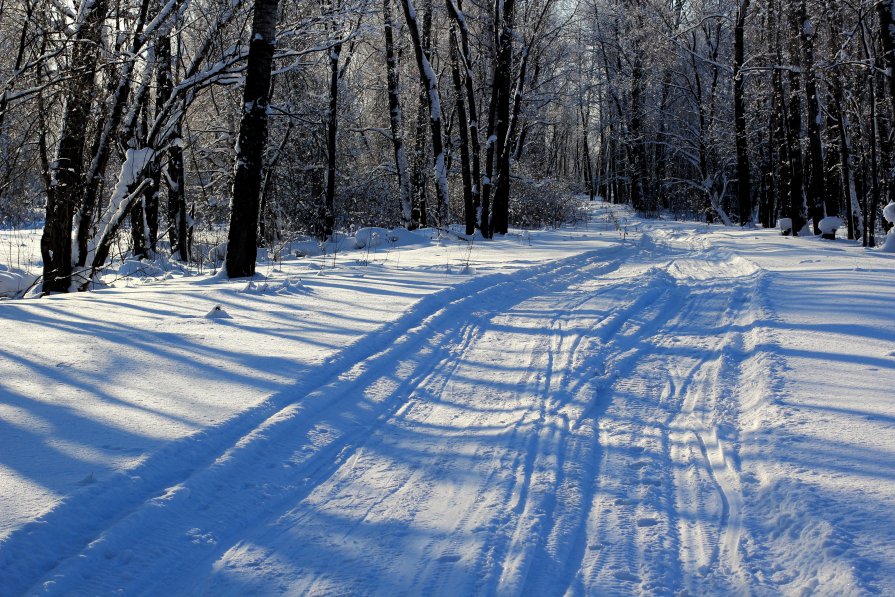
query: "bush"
546, 203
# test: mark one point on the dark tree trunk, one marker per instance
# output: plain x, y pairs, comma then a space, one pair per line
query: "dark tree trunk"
429, 80
744, 186
242, 240
503, 65
796, 191
67, 174
394, 110
138, 230
419, 182
588, 168
462, 128
816, 183
332, 120
174, 171
780, 130
636, 154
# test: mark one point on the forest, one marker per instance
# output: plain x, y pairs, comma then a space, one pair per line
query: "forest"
187, 128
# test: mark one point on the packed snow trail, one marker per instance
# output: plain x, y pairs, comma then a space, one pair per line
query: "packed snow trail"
617, 422
512, 443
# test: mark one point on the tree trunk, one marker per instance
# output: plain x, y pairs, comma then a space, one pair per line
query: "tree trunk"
462, 128
744, 187
455, 10
394, 109
329, 203
101, 149
242, 240
796, 202
430, 81
503, 65
174, 173
67, 174
816, 183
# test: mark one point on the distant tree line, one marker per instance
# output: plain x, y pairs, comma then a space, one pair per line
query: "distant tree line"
148, 127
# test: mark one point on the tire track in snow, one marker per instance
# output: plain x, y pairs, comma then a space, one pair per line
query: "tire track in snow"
204, 489
628, 525
642, 510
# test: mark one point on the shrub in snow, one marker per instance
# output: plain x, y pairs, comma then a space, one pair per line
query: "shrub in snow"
828, 227
544, 203
134, 268
785, 225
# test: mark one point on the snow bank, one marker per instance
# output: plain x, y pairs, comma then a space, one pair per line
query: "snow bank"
136, 268
889, 212
368, 238
12, 281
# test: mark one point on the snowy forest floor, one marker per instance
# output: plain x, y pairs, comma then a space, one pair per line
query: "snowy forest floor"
678, 409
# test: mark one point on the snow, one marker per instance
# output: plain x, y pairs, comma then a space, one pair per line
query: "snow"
785, 224
889, 212
677, 410
14, 281
372, 237
830, 224
889, 242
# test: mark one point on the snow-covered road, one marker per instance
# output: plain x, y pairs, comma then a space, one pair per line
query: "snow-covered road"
666, 414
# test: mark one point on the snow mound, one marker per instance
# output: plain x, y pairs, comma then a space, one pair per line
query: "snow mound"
373, 237
830, 224
291, 286
889, 212
137, 268
252, 287
217, 312
421, 236
785, 225
12, 282
889, 245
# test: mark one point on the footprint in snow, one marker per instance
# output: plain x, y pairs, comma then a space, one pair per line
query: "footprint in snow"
625, 575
